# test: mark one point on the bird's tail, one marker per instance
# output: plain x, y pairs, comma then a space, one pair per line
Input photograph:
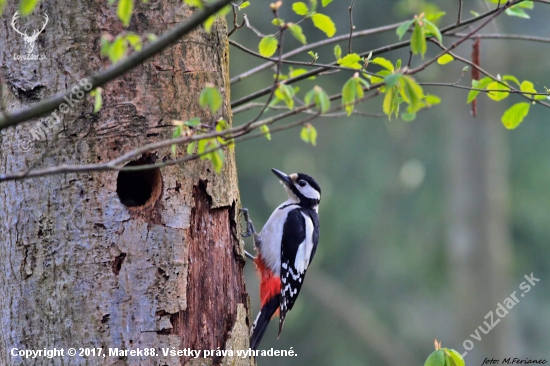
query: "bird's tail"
262, 321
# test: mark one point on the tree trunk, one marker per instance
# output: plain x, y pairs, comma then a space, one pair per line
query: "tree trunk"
479, 240
147, 259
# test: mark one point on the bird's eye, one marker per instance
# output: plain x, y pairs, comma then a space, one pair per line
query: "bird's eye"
302, 183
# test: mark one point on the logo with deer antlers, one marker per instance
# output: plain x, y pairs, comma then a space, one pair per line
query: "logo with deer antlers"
29, 40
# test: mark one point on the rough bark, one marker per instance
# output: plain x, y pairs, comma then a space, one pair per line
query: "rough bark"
79, 267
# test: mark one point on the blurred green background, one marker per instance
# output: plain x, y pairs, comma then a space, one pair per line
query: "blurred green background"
425, 226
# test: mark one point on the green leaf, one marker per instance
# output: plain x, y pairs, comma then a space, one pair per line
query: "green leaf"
278, 22
134, 40
221, 125
432, 100
528, 87
296, 31
511, 78
124, 11
286, 93
403, 28
244, 5
392, 79
445, 59
437, 358
497, 95
348, 95
320, 97
418, 41
515, 115
322, 101
517, 12
326, 2
408, 117
217, 157
265, 131
191, 147
337, 52
478, 84
526, 5
455, 357
391, 102
194, 3
300, 8
313, 5
433, 30
27, 6
351, 60
211, 97
118, 49
309, 134
268, 46
432, 17
315, 56
324, 23
193, 122
381, 61
98, 100
297, 72
2, 6
412, 93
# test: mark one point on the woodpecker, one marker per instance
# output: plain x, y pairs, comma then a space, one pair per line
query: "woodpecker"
285, 246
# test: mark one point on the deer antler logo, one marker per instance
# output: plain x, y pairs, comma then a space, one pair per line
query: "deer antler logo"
29, 40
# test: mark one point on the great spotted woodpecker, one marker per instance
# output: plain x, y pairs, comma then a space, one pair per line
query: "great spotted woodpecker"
286, 245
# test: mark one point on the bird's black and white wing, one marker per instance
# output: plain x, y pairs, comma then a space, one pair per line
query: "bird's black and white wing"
299, 242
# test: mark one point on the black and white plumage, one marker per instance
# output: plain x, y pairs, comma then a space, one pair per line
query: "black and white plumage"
286, 246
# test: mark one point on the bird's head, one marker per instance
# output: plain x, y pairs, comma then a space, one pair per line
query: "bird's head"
301, 188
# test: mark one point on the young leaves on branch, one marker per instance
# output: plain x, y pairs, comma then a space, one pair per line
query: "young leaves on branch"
422, 28
353, 91
309, 134
320, 97
499, 90
517, 10
118, 48
444, 357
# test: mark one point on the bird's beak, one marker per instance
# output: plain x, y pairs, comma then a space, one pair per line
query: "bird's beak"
285, 179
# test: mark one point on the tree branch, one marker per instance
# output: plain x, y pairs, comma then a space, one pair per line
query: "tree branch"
377, 51
311, 46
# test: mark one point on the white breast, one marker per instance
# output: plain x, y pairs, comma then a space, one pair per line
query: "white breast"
272, 235
303, 255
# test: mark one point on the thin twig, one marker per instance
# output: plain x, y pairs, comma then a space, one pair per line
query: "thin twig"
486, 73
249, 26
516, 37
289, 62
314, 45
277, 74
460, 41
351, 26
117, 163
454, 85
459, 11
235, 24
